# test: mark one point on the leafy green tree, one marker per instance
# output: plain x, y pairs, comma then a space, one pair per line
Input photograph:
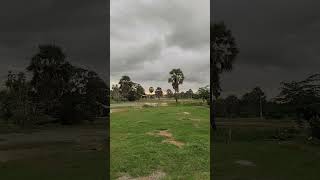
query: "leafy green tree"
254, 101
304, 97
125, 86
87, 97
136, 92
176, 78
17, 101
63, 90
182, 95
223, 54
96, 96
5, 106
189, 93
115, 93
140, 90
204, 93
232, 104
169, 93
50, 76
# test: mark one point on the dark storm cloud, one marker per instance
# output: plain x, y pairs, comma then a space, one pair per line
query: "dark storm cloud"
78, 26
151, 37
278, 41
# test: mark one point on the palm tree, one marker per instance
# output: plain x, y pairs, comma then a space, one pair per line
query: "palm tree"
223, 54
176, 79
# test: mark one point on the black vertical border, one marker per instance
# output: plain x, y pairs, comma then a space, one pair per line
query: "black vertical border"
108, 83
211, 95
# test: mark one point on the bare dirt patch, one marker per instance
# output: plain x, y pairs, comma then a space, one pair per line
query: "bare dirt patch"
154, 176
174, 142
195, 120
164, 104
165, 133
169, 138
245, 163
186, 113
150, 104
118, 110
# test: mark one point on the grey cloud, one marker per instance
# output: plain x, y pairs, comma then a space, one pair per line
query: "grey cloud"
79, 27
158, 36
278, 41
134, 57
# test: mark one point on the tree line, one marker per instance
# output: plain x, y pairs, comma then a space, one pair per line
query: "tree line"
57, 91
298, 99
127, 90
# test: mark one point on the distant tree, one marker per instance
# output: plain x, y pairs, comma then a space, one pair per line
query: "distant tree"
223, 54
254, 102
17, 100
182, 95
169, 93
196, 96
5, 106
151, 90
204, 93
125, 86
115, 93
304, 97
140, 90
232, 105
159, 92
176, 79
136, 92
189, 93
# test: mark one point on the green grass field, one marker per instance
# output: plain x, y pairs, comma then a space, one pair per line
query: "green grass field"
163, 142
137, 150
54, 153
263, 150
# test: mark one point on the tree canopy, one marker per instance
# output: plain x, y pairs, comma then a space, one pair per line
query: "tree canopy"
176, 78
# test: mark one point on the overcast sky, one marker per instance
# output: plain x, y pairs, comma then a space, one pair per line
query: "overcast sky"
278, 40
151, 37
78, 26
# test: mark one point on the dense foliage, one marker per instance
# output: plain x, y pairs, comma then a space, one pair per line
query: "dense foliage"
57, 90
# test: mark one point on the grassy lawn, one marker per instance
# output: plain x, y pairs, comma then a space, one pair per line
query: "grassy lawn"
63, 165
289, 159
54, 153
171, 139
137, 152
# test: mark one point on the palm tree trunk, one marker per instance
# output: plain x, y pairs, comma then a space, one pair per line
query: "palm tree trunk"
176, 97
260, 107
